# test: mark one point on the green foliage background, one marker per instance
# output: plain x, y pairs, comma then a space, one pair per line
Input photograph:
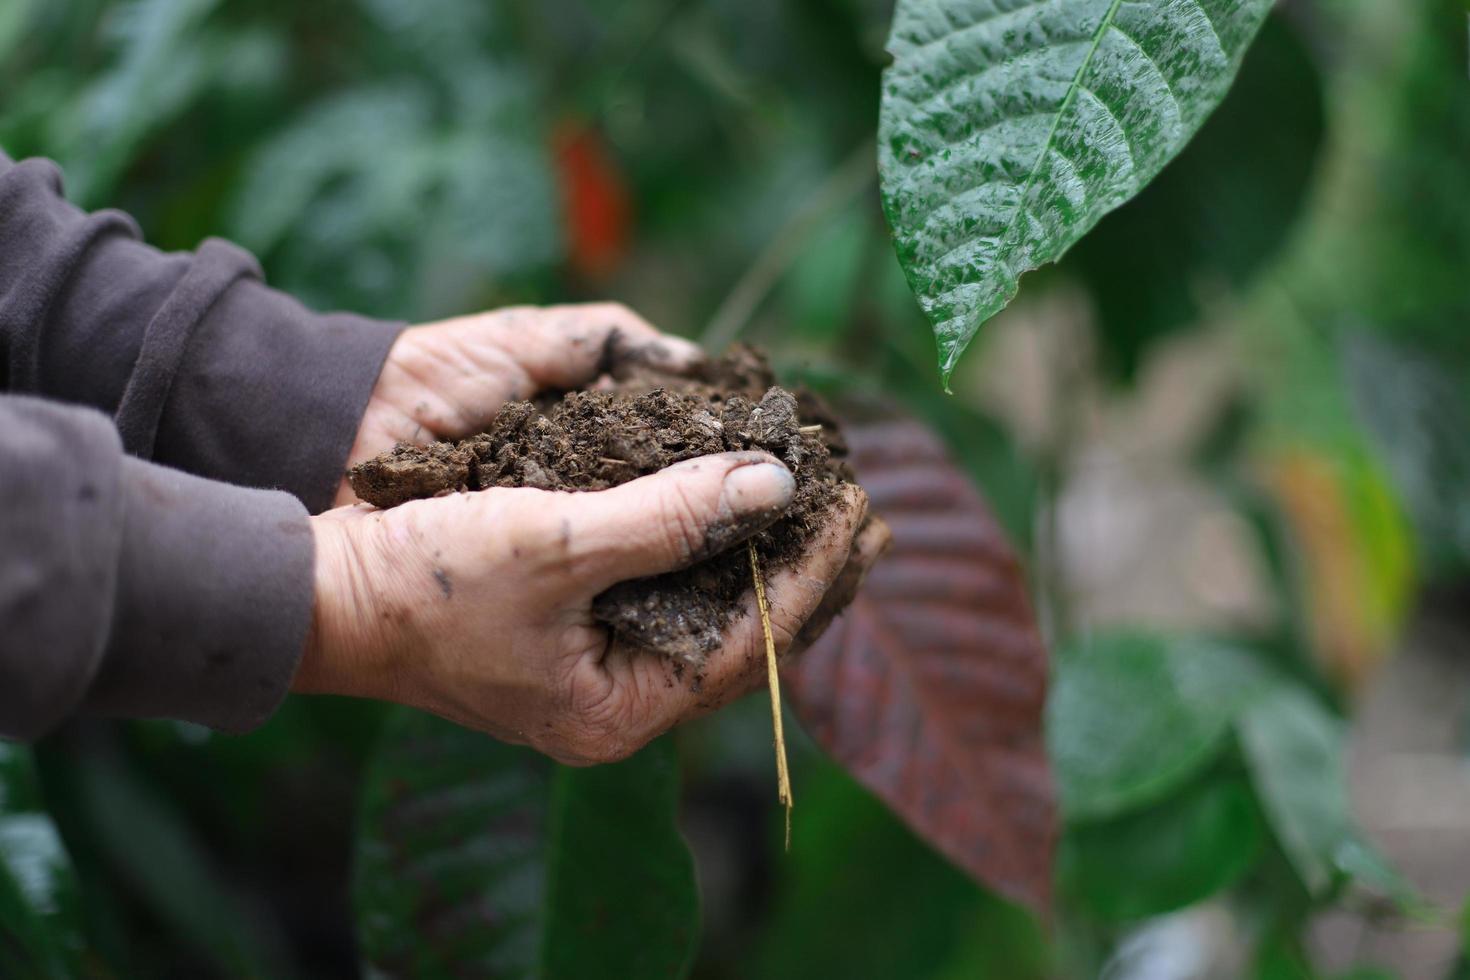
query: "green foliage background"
397, 159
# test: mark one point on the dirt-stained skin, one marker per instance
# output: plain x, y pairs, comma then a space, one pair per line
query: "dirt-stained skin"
637, 421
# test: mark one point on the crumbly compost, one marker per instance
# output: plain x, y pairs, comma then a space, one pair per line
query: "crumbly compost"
637, 422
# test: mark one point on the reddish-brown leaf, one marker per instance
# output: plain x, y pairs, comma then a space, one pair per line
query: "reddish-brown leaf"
930, 688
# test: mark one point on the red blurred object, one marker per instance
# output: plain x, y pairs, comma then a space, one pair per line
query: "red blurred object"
596, 206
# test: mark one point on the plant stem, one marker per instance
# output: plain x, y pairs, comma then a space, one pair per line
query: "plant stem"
773, 678
835, 191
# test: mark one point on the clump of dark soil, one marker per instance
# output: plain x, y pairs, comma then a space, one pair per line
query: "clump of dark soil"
642, 422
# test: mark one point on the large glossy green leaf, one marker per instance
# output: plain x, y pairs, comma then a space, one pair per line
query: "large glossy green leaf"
1010, 127
1293, 747
1167, 856
478, 858
40, 932
1133, 715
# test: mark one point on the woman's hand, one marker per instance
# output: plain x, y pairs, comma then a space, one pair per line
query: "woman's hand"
447, 380
477, 606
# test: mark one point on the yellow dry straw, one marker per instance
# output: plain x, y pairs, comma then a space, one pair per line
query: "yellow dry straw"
783, 776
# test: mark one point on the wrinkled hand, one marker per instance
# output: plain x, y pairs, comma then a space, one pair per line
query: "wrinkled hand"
477, 606
447, 380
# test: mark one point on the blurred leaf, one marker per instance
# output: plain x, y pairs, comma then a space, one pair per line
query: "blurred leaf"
338, 136
1355, 550
1007, 133
40, 929
1133, 715
1294, 751
162, 64
835, 913
310, 750
823, 285
168, 868
485, 859
1163, 858
1352, 542
1214, 215
267, 818
1293, 748
1394, 227
695, 42
14, 18
441, 34
1280, 957
399, 198
1381, 252
1461, 969
1419, 416
930, 688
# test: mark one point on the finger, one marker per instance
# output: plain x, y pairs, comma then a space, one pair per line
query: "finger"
668, 520
794, 595
570, 346
872, 540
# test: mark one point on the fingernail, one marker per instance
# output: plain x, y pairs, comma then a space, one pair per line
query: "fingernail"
675, 353
758, 487
751, 499
670, 354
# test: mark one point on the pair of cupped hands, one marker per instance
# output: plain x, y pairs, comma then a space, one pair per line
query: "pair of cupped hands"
478, 606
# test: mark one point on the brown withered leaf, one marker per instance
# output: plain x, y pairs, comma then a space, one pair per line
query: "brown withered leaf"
930, 688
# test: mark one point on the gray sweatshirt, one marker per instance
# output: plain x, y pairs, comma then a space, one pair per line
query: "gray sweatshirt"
166, 424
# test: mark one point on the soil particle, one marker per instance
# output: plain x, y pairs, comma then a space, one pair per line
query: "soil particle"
408, 472
635, 422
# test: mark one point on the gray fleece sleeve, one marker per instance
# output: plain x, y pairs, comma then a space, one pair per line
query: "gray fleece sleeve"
130, 589
204, 368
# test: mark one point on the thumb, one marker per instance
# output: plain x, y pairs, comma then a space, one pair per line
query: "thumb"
674, 517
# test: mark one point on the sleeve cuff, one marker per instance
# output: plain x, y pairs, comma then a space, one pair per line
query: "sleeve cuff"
214, 601
271, 394
60, 531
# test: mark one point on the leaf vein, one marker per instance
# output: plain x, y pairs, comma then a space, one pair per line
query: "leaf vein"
1214, 30
995, 124
989, 18
1168, 86
1010, 59
1067, 100
1117, 122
